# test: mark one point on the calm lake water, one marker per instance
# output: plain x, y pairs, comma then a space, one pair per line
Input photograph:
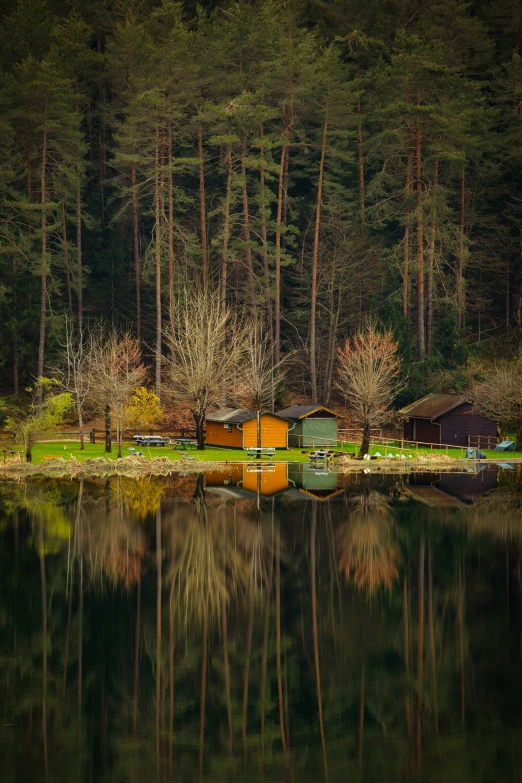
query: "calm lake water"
283, 625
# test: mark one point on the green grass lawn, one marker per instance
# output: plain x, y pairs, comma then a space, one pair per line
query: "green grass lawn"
70, 448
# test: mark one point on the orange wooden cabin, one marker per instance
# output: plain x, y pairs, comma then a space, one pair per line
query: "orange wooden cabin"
237, 429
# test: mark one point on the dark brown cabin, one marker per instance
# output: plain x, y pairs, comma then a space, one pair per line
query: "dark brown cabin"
447, 419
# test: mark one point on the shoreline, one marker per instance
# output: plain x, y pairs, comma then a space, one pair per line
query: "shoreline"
138, 467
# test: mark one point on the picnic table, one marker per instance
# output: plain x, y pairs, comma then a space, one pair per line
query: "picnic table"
150, 440
186, 442
260, 451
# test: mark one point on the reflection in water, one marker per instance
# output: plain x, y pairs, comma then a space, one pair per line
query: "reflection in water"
370, 630
369, 553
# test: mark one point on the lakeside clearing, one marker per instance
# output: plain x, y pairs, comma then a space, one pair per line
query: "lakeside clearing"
67, 459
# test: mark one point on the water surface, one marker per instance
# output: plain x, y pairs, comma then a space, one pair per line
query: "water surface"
272, 623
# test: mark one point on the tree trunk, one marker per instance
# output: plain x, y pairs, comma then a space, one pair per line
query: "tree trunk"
226, 672
15, 330
315, 255
158, 266
433, 660
136, 661
406, 261
203, 693
460, 270
258, 431
43, 589
406, 628
421, 340
226, 229
431, 257
80, 647
199, 419
361, 717
460, 620
136, 248
102, 146
246, 233
264, 240
277, 303
365, 445
79, 223
202, 208
278, 648
317, 665
172, 641
360, 158
246, 674
108, 436
420, 654
43, 290
518, 446
80, 425
79, 259
66, 261
170, 232
158, 632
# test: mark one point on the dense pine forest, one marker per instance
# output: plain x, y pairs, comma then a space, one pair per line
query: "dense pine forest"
322, 164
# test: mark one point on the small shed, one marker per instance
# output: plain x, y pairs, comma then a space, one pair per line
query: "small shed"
447, 419
237, 429
315, 426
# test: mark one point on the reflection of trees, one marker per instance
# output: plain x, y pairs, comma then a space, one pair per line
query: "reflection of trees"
368, 550
214, 559
113, 541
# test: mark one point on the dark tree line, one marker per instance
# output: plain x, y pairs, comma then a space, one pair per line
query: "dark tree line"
319, 163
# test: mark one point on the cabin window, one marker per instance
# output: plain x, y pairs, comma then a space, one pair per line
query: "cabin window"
228, 427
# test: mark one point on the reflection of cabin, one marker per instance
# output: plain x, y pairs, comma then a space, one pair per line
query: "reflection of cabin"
237, 429
245, 480
448, 419
315, 426
452, 490
312, 481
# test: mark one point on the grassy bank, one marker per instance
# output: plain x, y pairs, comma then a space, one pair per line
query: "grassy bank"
71, 449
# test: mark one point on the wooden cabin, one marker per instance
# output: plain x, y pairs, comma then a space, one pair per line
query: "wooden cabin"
447, 419
315, 426
237, 429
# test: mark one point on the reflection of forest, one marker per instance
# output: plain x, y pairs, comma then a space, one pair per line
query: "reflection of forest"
157, 628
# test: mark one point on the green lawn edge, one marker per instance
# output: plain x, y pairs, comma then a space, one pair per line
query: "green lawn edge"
68, 449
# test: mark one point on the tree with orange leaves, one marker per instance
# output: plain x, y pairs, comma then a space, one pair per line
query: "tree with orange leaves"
369, 379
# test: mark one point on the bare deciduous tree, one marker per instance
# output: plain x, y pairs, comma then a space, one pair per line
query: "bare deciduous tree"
369, 379
260, 378
499, 396
206, 344
117, 369
75, 372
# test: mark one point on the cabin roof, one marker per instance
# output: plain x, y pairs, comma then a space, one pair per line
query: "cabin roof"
296, 412
433, 405
238, 415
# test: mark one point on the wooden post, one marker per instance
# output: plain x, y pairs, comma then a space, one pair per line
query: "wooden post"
93, 436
